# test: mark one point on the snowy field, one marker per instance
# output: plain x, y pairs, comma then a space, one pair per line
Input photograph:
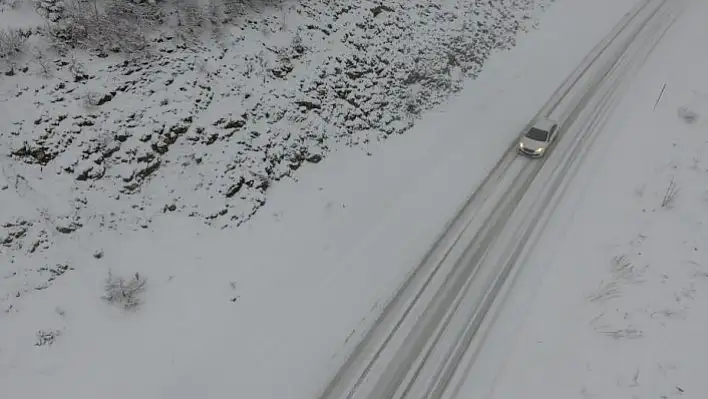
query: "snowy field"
154, 169
613, 302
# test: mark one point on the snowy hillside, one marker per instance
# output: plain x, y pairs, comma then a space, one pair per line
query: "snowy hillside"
206, 124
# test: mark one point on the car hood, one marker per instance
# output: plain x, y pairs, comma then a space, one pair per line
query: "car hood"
531, 144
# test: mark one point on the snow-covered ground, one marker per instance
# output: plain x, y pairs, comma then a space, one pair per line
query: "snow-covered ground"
612, 304
271, 308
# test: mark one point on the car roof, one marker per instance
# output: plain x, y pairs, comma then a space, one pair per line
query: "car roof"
544, 124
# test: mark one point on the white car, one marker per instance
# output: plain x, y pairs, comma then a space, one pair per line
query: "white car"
535, 141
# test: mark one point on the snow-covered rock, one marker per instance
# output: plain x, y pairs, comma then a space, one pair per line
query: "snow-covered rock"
206, 127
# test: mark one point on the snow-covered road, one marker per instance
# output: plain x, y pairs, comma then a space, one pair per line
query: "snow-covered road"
420, 345
612, 304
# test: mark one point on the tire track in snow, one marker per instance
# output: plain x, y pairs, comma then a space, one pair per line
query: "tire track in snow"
395, 318
560, 175
598, 113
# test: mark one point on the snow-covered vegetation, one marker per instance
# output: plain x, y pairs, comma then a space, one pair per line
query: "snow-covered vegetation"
120, 111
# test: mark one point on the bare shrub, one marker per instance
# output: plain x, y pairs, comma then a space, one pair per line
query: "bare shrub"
215, 13
606, 291
76, 67
622, 267
45, 66
118, 25
670, 195
47, 337
624, 273
12, 41
193, 18
190, 18
625, 333
124, 293
123, 25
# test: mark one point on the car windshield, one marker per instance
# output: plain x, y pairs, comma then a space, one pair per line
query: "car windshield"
537, 134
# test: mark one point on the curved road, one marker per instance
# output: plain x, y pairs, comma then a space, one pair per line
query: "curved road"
425, 340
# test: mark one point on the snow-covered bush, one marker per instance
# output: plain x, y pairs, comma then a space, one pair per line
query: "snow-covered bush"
52, 10
115, 25
124, 293
124, 25
12, 41
47, 337
205, 125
